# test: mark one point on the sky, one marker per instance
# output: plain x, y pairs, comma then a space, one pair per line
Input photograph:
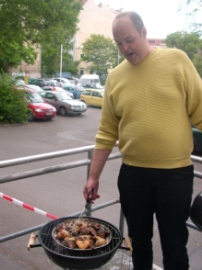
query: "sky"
161, 18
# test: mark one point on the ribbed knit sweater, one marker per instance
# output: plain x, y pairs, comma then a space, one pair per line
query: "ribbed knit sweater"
149, 109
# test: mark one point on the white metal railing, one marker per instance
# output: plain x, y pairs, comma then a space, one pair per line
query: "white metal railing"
65, 166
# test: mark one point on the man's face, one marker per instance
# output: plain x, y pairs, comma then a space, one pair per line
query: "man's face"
131, 44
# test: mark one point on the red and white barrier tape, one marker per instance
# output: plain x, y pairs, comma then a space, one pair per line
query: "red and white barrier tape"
27, 206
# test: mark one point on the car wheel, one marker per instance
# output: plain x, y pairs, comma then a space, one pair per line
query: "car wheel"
62, 111
30, 116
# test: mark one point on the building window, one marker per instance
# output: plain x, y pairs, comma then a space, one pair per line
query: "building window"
152, 41
81, 71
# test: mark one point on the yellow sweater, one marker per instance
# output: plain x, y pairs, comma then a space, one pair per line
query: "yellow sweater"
148, 108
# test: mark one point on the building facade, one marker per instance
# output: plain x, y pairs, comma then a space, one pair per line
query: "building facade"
33, 71
93, 19
155, 42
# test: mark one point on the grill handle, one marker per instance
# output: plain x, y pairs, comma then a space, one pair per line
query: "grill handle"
124, 248
127, 245
32, 241
36, 245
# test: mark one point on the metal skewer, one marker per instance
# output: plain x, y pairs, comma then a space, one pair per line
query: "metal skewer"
86, 205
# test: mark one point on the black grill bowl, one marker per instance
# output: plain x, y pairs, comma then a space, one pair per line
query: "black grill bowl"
78, 259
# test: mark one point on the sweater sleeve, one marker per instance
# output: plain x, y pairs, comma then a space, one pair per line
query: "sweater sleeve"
107, 134
193, 87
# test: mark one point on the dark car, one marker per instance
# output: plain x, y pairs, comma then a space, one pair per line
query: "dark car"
52, 83
40, 82
44, 82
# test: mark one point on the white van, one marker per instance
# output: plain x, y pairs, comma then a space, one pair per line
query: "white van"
90, 80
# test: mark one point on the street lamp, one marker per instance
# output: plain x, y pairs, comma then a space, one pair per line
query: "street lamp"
61, 62
118, 58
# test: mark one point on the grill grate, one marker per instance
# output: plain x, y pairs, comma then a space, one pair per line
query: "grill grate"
49, 243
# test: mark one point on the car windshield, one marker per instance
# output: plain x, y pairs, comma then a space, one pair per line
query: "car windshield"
87, 81
59, 89
63, 96
35, 87
33, 97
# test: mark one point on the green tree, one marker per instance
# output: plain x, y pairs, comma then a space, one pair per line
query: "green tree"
25, 25
191, 43
13, 108
197, 61
100, 53
192, 9
51, 60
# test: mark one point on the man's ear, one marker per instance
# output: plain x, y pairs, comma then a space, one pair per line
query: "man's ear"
144, 32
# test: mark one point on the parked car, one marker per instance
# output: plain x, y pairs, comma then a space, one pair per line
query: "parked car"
39, 109
57, 89
62, 81
40, 82
89, 80
30, 87
93, 97
73, 80
19, 82
52, 83
197, 136
79, 87
74, 90
34, 87
63, 103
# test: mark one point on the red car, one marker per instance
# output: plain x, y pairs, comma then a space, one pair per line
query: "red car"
39, 109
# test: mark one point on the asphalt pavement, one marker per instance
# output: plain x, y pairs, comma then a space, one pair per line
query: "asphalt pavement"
61, 193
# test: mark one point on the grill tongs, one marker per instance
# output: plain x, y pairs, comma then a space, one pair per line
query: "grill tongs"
87, 204
33, 236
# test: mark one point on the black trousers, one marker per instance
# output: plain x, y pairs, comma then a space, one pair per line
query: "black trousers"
168, 194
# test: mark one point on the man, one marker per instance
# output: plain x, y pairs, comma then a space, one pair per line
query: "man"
151, 99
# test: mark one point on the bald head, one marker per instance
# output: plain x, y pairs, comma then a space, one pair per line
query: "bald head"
134, 17
130, 36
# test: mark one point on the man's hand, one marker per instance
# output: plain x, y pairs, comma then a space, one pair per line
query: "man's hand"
91, 185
